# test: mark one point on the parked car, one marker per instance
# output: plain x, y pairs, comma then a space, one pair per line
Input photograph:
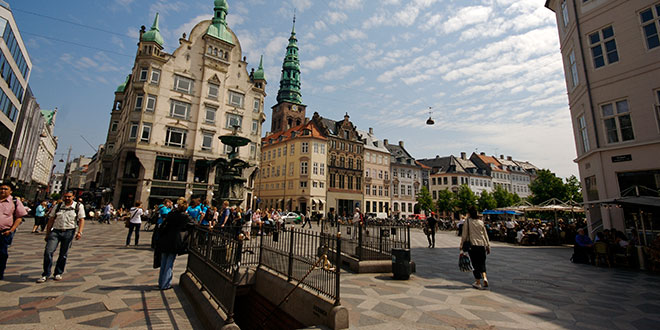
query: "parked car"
291, 217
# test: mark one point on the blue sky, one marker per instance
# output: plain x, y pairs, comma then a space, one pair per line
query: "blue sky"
490, 69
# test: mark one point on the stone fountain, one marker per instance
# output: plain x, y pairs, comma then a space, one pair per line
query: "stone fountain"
230, 169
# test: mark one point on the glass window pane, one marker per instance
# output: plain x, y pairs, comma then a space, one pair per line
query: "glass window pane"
597, 53
626, 128
646, 15
622, 106
608, 32
610, 127
608, 110
651, 33
657, 10
612, 54
594, 38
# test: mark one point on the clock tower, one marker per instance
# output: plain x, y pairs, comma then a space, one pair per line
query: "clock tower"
289, 110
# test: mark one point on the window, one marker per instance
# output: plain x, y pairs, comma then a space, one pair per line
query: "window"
564, 12
304, 147
257, 105
573, 64
139, 99
316, 148
315, 168
293, 148
183, 84
210, 115
322, 148
114, 126
236, 99
291, 169
374, 190
207, 140
175, 137
146, 132
380, 190
132, 136
151, 103
322, 169
582, 127
155, 76
592, 188
255, 130
650, 25
367, 189
227, 149
395, 190
395, 172
253, 150
234, 120
444, 180
303, 168
598, 39
342, 182
618, 126
303, 184
179, 109
144, 72
213, 91
410, 190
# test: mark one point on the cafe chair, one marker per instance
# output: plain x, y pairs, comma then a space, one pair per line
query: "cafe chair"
600, 249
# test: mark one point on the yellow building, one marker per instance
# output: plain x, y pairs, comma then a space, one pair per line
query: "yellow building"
376, 175
293, 173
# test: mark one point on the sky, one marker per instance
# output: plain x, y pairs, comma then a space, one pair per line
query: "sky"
490, 70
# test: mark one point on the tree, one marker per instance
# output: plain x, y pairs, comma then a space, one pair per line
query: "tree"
486, 201
573, 189
465, 198
445, 202
501, 197
424, 200
55, 196
547, 186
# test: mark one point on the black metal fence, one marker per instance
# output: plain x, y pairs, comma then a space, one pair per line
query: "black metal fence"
370, 242
216, 258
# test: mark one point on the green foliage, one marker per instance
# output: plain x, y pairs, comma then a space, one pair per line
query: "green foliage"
486, 201
574, 189
503, 198
55, 196
547, 186
424, 200
465, 198
445, 202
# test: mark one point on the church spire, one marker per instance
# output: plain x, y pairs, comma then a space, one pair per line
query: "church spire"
153, 35
218, 27
290, 81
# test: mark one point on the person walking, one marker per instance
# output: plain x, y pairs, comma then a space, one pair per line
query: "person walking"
170, 243
12, 212
63, 220
474, 241
107, 213
308, 220
134, 223
431, 224
40, 217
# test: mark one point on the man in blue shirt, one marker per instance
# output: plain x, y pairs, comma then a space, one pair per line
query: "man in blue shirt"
583, 250
163, 210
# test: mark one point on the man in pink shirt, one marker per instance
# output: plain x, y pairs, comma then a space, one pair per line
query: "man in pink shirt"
11, 215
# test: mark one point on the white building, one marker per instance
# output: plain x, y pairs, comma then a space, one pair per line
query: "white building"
406, 180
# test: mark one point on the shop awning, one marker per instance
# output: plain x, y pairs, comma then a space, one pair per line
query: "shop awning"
639, 201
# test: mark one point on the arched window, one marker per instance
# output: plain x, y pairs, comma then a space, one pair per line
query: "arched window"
210, 50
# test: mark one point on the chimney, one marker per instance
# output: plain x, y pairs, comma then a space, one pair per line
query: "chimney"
385, 142
401, 144
483, 153
501, 156
371, 130
509, 158
463, 155
437, 156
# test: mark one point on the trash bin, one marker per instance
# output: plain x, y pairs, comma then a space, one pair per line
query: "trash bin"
401, 267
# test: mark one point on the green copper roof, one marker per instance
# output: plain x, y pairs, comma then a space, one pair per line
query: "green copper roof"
153, 35
290, 80
259, 74
218, 27
122, 87
48, 116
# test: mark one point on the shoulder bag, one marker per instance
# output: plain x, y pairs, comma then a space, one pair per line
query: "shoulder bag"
467, 244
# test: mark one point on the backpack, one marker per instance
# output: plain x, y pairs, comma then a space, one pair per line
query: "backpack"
76, 208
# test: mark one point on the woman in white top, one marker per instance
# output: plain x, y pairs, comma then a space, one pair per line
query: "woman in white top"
474, 233
135, 222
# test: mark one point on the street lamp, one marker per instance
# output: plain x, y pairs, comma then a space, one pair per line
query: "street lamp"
430, 120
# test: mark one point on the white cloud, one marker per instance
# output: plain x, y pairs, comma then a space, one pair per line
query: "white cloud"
166, 7
302, 5
466, 16
317, 63
339, 72
346, 4
335, 17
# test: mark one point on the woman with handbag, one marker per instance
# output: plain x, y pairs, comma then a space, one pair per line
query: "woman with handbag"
474, 241
171, 241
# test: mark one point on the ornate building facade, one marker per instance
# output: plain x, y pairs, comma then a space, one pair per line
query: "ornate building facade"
376, 175
168, 115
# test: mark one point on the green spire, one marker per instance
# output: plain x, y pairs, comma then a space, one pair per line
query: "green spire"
153, 34
48, 115
218, 27
259, 74
290, 81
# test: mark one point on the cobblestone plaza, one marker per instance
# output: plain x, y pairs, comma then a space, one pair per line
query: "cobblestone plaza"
107, 285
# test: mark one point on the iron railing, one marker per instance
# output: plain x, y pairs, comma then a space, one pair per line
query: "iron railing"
217, 256
370, 242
